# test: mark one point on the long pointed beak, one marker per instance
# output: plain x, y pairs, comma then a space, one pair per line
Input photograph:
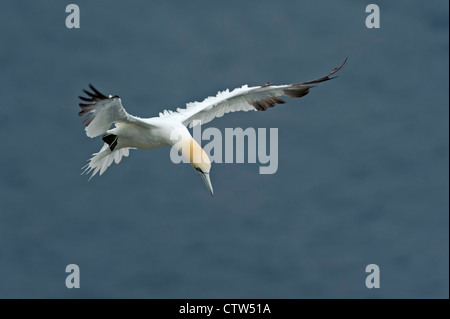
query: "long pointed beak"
207, 180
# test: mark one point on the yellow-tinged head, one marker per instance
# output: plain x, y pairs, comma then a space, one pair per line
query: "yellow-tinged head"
198, 158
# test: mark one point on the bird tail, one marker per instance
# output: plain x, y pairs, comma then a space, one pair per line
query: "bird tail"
100, 161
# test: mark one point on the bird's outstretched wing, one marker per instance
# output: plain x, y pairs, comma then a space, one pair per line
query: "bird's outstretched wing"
258, 98
103, 111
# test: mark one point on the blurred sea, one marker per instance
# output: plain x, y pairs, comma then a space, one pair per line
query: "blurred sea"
363, 160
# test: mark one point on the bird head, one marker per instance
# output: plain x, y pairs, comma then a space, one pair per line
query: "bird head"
199, 160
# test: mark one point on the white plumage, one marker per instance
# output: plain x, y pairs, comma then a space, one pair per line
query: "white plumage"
147, 133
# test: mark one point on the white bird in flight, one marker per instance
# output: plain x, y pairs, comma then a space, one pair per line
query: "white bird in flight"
148, 133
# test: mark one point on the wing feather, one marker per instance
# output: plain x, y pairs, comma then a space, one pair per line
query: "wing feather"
258, 98
103, 111
101, 160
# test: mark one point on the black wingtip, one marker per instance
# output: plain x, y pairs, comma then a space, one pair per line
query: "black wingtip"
97, 92
85, 99
325, 78
92, 95
340, 67
345, 61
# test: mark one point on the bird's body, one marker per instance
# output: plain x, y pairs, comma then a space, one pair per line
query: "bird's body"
170, 127
152, 133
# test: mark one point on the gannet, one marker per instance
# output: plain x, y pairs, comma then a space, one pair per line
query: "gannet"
170, 127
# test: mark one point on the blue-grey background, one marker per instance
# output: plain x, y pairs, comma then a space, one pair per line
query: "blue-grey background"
363, 160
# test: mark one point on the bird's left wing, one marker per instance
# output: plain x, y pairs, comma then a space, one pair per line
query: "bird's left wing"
103, 111
258, 98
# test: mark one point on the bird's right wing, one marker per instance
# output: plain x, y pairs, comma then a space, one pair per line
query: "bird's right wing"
258, 98
103, 111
